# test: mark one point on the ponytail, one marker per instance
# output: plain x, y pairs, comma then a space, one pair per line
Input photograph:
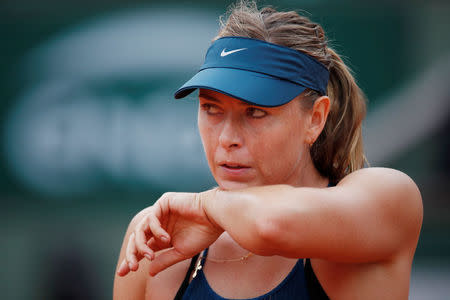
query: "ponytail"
338, 150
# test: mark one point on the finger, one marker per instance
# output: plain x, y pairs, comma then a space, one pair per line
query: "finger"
165, 260
141, 240
123, 269
157, 245
132, 259
160, 210
157, 230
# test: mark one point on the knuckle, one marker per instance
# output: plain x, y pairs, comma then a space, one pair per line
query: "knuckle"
168, 195
142, 222
139, 216
140, 247
164, 196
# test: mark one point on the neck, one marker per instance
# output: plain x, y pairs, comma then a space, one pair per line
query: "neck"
226, 248
307, 175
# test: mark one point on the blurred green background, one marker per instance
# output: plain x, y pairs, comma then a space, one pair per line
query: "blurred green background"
90, 133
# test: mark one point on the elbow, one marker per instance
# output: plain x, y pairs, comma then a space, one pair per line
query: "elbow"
415, 206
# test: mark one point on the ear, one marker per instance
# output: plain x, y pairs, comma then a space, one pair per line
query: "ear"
318, 118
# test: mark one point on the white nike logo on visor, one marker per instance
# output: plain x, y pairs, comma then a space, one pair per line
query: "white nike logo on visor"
225, 53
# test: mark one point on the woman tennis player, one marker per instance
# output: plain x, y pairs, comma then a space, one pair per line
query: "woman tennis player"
295, 215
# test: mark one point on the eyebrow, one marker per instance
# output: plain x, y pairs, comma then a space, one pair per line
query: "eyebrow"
211, 98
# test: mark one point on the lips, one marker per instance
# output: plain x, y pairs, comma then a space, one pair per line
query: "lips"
234, 171
233, 165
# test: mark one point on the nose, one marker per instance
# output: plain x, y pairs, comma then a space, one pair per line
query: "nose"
230, 136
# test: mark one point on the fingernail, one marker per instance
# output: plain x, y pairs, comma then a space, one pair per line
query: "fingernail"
130, 265
149, 257
164, 238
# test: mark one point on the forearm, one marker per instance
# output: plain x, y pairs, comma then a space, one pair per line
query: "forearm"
252, 216
370, 216
285, 220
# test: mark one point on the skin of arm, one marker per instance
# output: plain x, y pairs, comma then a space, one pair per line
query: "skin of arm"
370, 216
132, 286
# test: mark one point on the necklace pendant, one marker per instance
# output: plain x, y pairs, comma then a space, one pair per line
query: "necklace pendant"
197, 268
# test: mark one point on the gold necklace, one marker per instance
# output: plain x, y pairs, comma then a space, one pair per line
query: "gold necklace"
242, 258
198, 266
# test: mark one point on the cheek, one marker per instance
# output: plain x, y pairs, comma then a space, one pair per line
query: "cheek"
207, 136
280, 151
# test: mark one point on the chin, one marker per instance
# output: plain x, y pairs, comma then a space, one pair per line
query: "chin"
234, 185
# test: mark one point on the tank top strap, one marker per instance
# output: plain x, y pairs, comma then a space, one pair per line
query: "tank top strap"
203, 256
185, 283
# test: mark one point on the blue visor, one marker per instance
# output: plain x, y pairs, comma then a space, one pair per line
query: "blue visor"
257, 72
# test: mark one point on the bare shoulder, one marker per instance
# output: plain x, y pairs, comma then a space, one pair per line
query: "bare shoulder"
381, 175
385, 182
140, 285
390, 190
165, 284
386, 207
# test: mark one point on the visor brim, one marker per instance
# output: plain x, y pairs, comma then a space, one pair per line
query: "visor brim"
251, 87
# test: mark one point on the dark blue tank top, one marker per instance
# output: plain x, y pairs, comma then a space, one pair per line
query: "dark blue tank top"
301, 283
292, 287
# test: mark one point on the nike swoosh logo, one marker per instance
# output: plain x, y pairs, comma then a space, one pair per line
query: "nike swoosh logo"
225, 53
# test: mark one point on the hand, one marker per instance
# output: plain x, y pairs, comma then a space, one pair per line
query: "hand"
176, 227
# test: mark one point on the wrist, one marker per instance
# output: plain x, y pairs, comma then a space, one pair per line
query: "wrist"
208, 202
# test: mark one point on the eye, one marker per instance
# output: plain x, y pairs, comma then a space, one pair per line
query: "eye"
256, 112
211, 109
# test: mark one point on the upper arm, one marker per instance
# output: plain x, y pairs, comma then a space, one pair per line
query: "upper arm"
133, 285
371, 215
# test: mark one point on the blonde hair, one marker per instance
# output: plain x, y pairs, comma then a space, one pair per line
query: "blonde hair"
338, 150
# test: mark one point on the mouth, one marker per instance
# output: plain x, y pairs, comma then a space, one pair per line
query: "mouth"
234, 166
234, 171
